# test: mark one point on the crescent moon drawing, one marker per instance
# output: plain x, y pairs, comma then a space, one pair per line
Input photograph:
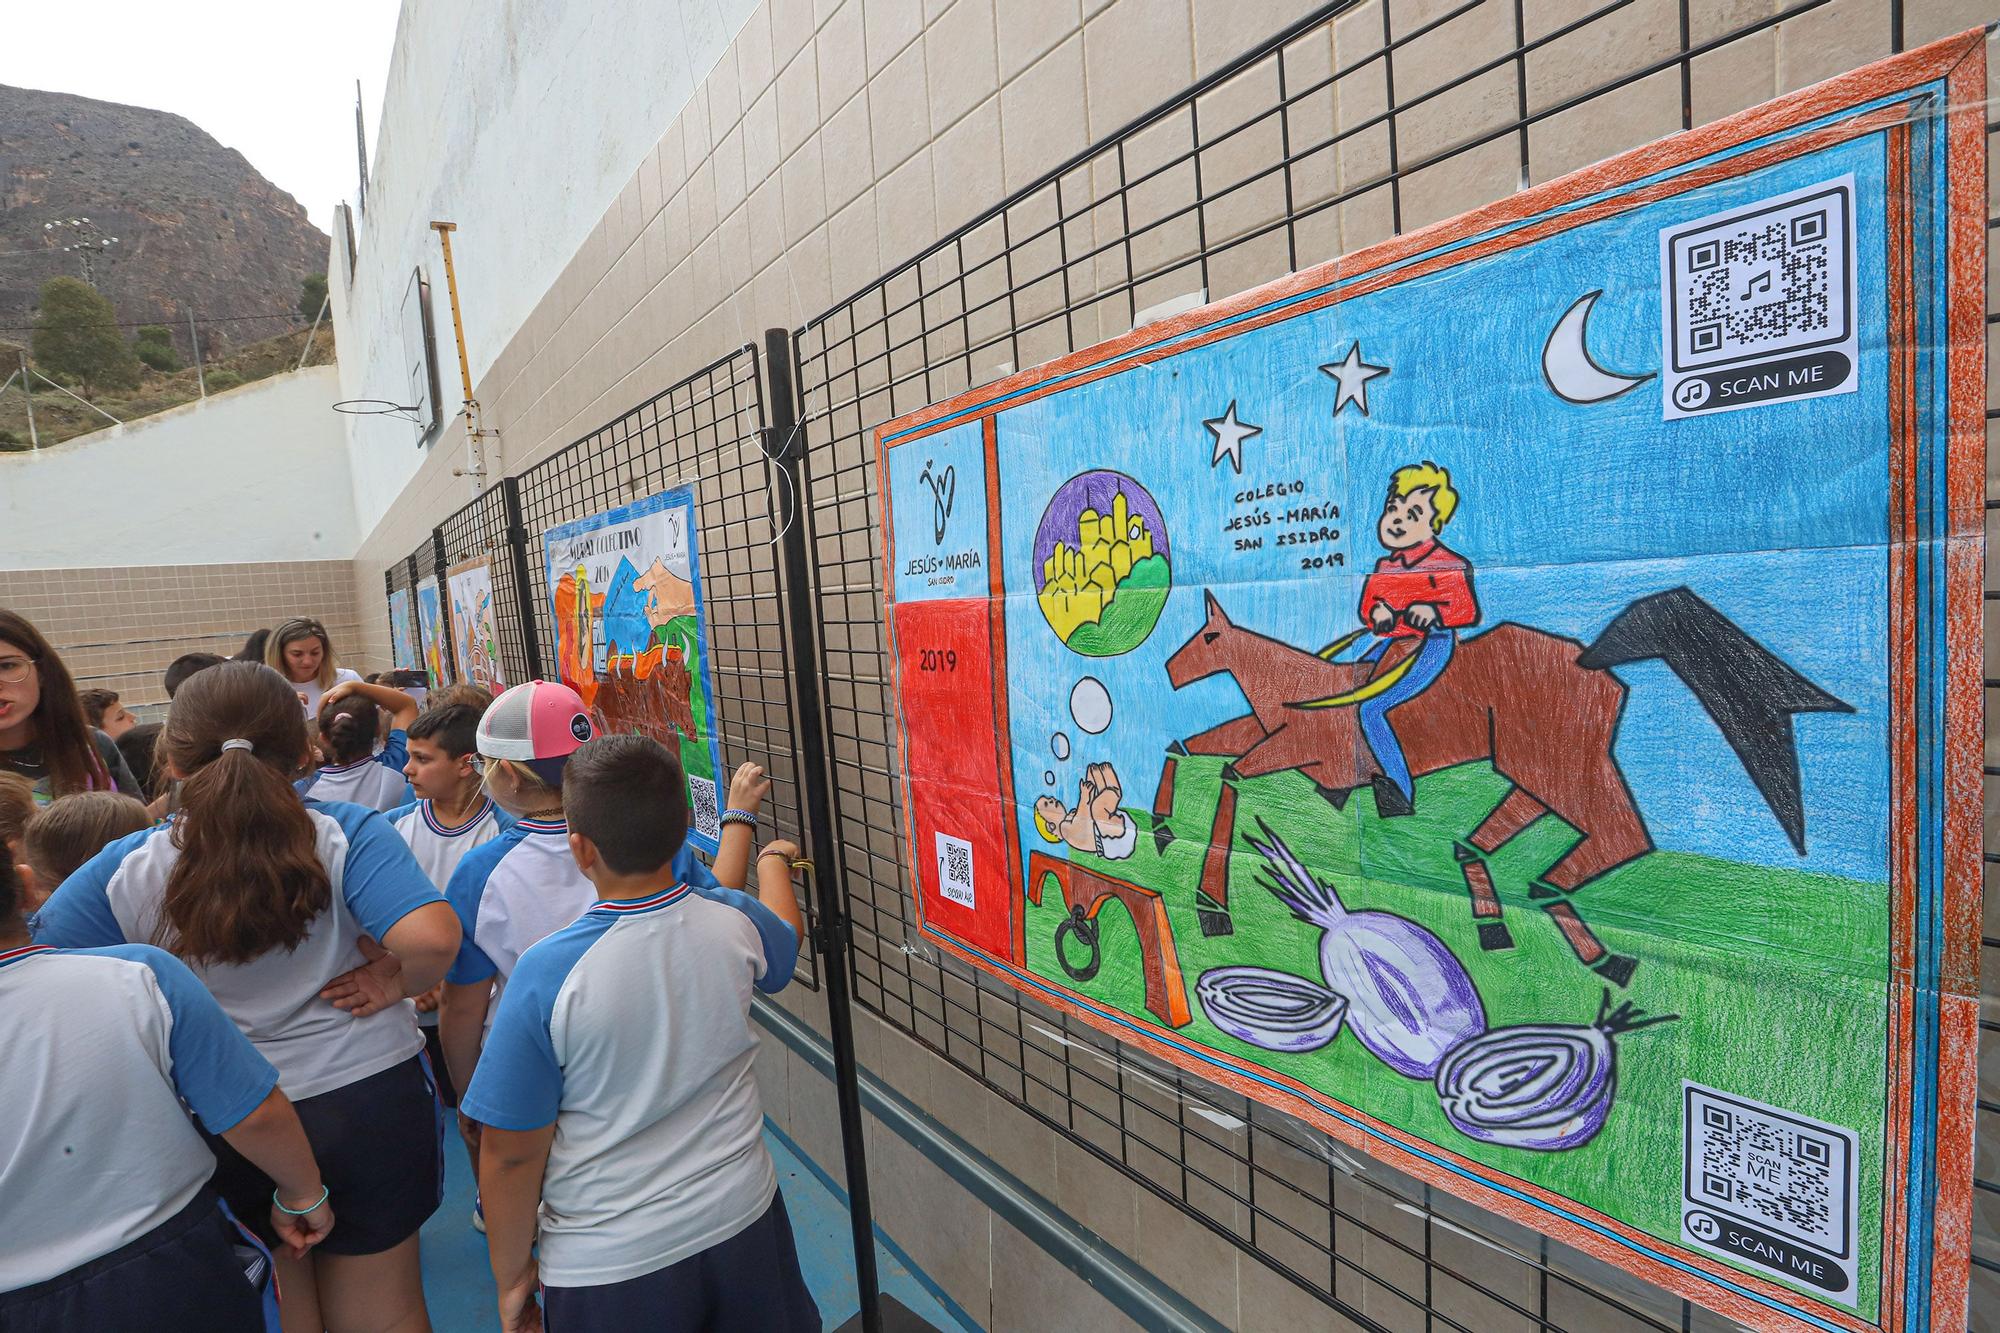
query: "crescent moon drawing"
1568, 366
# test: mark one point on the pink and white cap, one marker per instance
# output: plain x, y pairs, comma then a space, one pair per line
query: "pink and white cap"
539, 720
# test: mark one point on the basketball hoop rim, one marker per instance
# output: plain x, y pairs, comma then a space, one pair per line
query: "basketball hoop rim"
354, 407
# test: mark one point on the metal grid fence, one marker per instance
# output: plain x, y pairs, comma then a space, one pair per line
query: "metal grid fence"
1359, 122
482, 528
705, 431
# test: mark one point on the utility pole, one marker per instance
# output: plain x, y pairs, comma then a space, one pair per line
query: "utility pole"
475, 448
360, 148
28, 397
89, 240
201, 381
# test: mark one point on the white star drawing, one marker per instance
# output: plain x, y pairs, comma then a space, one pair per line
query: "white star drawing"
1353, 374
1229, 435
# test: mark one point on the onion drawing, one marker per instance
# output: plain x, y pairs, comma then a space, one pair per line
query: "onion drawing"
1547, 1086
1409, 999
1272, 1009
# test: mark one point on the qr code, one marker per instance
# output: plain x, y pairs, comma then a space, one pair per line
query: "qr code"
701, 807
1776, 1170
954, 856
1769, 279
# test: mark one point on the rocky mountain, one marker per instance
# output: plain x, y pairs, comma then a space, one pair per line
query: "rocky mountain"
197, 226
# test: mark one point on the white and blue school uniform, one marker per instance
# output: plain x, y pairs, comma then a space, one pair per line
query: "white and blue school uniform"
519, 889
320, 1052
439, 847
629, 1030
102, 1174
376, 782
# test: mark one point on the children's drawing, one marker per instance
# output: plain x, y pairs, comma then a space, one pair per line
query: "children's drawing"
1546, 648
475, 634
437, 656
631, 637
403, 650
1095, 824
1571, 371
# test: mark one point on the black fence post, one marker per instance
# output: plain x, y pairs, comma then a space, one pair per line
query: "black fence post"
785, 447
524, 593
450, 660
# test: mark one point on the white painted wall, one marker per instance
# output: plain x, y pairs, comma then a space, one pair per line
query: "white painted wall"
519, 120
255, 474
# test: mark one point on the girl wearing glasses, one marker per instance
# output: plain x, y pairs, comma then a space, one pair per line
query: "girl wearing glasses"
43, 734
303, 655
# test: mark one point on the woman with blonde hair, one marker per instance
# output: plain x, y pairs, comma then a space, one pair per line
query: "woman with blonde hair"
302, 652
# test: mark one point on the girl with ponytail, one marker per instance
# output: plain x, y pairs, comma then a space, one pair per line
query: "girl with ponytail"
277, 906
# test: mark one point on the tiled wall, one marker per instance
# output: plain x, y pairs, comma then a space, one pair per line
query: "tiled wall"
117, 628
840, 137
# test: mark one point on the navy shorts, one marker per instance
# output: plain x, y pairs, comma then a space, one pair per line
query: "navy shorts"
434, 1052
379, 1142
196, 1270
750, 1282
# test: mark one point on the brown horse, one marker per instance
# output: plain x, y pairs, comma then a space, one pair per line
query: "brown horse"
1542, 708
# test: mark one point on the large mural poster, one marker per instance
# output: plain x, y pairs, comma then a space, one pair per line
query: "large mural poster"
475, 633
1511, 697
402, 632
632, 640
431, 631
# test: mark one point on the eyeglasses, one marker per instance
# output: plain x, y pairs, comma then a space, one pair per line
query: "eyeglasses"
14, 670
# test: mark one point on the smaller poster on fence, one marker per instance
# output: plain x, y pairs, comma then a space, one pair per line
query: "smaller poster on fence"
402, 632
430, 626
475, 636
631, 638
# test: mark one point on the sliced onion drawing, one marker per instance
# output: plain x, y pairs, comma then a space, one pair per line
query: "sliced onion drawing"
1547, 1086
1271, 1009
1409, 998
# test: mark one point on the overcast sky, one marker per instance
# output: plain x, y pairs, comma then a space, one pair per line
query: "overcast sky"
275, 81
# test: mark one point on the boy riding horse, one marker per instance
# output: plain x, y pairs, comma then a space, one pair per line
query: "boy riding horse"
1420, 592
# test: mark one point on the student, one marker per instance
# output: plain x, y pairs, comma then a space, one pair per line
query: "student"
302, 652
43, 734
104, 1194
69, 831
137, 747
102, 710
186, 665
354, 769
253, 647
524, 884
451, 815
276, 906
616, 1089
17, 808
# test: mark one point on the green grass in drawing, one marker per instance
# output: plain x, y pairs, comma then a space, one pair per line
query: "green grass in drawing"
1775, 975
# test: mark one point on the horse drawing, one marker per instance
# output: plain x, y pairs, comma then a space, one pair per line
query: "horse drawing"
1542, 708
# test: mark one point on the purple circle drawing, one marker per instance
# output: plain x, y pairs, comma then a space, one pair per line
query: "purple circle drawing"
1102, 563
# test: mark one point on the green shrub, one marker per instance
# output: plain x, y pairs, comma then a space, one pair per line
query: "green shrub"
218, 380
76, 333
159, 355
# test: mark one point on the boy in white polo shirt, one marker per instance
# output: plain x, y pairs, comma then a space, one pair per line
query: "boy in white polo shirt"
616, 1090
451, 815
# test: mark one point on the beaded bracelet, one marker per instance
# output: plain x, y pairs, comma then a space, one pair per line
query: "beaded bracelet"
310, 1208
739, 817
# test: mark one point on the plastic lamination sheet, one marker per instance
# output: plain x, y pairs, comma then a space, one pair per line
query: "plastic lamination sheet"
1510, 697
403, 650
475, 635
632, 638
433, 641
